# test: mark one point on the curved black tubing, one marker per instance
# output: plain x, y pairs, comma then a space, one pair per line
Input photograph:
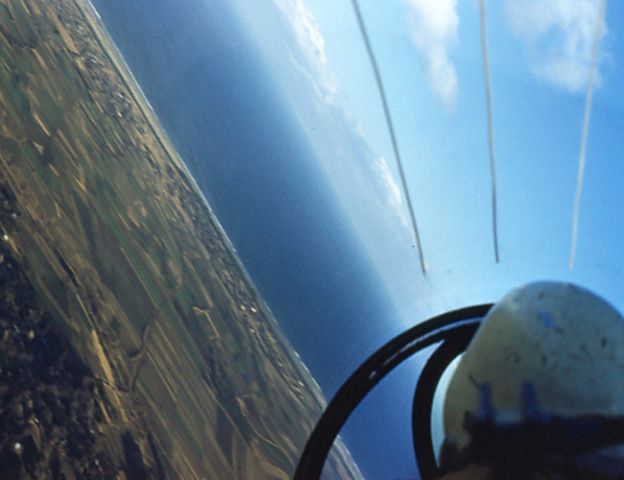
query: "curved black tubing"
455, 343
370, 374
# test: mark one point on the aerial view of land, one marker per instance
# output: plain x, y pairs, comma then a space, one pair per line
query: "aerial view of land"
132, 343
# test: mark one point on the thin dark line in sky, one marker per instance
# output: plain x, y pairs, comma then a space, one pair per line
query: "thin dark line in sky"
585, 131
490, 123
395, 147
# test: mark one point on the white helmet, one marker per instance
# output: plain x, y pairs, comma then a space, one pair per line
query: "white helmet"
565, 341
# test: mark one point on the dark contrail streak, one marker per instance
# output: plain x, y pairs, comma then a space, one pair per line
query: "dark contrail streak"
490, 124
395, 147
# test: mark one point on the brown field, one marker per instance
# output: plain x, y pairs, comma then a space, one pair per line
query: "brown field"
134, 268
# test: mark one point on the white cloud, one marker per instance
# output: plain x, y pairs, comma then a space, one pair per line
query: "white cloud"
393, 192
309, 58
559, 35
434, 31
312, 46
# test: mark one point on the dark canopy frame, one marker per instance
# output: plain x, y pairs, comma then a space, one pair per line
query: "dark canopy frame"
452, 330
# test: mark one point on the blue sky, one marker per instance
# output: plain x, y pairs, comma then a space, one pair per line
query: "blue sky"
429, 54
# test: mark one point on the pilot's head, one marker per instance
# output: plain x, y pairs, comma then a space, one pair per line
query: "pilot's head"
539, 392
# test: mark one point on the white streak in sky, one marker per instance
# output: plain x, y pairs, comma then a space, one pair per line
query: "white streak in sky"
434, 31
559, 35
585, 132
